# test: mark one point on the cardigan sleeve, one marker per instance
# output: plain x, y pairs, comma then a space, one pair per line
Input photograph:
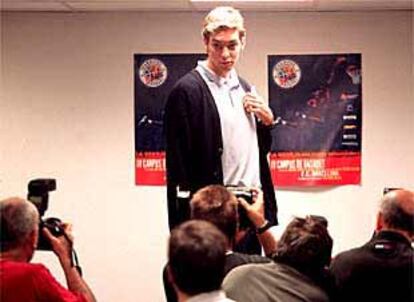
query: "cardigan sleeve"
178, 149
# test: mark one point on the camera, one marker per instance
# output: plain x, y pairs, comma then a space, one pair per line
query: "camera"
247, 194
38, 194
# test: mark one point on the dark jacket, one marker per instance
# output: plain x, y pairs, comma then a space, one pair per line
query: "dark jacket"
194, 147
381, 270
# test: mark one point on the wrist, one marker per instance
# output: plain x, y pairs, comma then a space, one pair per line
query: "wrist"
258, 222
263, 227
65, 259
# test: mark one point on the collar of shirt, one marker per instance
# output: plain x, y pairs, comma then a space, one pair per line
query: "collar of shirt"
391, 236
217, 295
232, 80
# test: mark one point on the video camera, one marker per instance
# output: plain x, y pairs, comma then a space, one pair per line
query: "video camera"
39, 195
247, 194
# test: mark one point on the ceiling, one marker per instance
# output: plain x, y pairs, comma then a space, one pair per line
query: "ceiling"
200, 5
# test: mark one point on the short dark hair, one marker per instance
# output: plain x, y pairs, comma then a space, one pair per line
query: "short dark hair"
398, 211
196, 252
305, 245
18, 219
217, 205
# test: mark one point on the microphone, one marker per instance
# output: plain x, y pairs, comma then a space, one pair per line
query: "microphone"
280, 121
147, 121
312, 118
143, 120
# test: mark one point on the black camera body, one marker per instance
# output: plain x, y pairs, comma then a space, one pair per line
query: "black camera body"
247, 194
38, 194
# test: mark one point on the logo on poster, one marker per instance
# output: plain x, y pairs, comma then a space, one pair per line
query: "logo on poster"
286, 74
153, 73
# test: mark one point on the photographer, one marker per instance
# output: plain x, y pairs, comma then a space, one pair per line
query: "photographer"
23, 281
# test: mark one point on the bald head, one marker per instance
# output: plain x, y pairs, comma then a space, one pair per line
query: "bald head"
397, 210
18, 218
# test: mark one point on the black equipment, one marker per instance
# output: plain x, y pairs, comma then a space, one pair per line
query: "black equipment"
246, 194
39, 195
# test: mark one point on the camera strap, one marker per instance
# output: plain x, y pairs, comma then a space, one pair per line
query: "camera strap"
74, 261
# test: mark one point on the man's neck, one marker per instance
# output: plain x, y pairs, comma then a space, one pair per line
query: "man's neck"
221, 74
182, 297
14, 255
401, 232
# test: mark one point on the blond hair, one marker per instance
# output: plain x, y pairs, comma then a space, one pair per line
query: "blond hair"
223, 17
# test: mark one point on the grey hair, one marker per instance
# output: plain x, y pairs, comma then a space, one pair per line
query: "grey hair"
18, 219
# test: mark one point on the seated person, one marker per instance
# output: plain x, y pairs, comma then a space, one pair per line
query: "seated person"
219, 206
298, 272
383, 268
24, 281
196, 255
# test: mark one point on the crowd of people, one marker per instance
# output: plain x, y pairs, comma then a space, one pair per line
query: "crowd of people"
299, 266
203, 265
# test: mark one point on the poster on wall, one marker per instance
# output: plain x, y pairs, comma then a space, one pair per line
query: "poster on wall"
317, 100
154, 77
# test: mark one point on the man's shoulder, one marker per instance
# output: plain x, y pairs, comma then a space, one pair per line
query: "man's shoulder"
16, 265
351, 252
251, 270
246, 258
378, 252
24, 270
190, 80
235, 259
271, 282
349, 257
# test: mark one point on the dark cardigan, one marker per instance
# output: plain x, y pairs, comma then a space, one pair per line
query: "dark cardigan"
194, 147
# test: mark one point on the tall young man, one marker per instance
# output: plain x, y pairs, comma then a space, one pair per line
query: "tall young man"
217, 127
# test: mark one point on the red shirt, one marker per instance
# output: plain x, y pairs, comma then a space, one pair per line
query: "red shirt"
26, 282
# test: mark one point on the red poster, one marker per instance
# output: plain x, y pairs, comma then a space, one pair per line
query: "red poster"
315, 168
317, 100
150, 168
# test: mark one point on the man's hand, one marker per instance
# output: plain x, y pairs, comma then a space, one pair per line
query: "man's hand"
255, 211
252, 102
61, 245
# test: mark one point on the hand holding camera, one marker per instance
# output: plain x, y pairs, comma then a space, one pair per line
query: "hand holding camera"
54, 235
61, 244
255, 208
251, 206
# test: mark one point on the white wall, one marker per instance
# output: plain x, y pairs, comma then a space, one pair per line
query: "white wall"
66, 112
